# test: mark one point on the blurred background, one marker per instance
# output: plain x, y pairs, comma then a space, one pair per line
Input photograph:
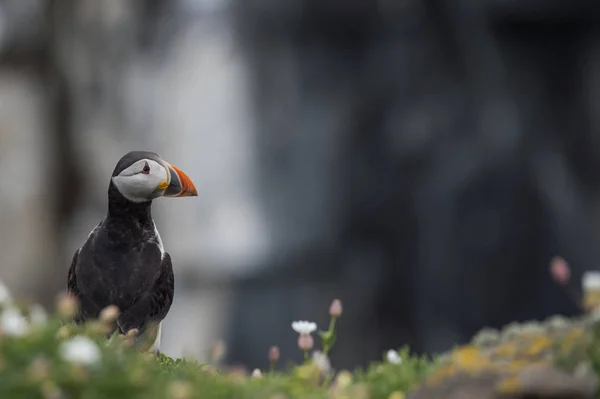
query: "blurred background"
421, 160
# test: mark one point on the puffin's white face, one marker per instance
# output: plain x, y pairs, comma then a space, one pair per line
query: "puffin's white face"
143, 181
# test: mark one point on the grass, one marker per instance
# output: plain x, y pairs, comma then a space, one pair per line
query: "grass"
51, 358
54, 358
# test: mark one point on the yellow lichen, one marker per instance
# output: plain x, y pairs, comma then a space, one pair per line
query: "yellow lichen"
572, 337
508, 385
506, 350
517, 365
575, 340
512, 367
441, 374
538, 345
469, 358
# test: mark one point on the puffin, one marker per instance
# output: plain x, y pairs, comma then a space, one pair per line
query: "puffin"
123, 261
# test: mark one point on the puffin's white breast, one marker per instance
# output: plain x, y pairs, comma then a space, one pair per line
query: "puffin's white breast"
158, 240
156, 345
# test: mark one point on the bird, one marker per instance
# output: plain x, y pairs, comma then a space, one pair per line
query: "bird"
123, 261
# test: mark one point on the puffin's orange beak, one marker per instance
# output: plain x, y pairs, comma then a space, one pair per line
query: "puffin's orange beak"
181, 185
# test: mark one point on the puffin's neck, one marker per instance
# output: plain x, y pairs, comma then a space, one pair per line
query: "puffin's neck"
120, 207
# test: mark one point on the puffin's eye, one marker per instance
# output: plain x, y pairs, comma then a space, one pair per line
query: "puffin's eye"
146, 169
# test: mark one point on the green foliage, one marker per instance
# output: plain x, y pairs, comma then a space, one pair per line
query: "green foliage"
55, 359
593, 346
328, 337
33, 365
384, 378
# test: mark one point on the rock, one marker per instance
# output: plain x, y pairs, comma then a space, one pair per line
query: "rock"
462, 386
534, 382
551, 382
529, 360
486, 337
557, 323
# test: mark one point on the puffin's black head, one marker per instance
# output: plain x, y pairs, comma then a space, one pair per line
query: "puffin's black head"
142, 176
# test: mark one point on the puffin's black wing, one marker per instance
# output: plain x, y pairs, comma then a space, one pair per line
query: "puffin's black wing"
72, 284
72, 287
153, 305
71, 278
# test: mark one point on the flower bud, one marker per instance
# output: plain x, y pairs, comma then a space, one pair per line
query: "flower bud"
274, 354
67, 306
133, 332
125, 341
180, 390
109, 314
256, 373
39, 370
218, 351
305, 342
98, 327
63, 333
560, 270
343, 379
335, 310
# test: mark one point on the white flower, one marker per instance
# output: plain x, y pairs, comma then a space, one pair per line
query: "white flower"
256, 373
80, 349
5, 296
322, 361
304, 327
37, 315
591, 280
13, 323
393, 357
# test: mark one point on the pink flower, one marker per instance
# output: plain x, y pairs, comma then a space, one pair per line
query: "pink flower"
305, 342
274, 354
560, 270
335, 310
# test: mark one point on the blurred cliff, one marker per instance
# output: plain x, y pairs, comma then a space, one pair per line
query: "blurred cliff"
421, 160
